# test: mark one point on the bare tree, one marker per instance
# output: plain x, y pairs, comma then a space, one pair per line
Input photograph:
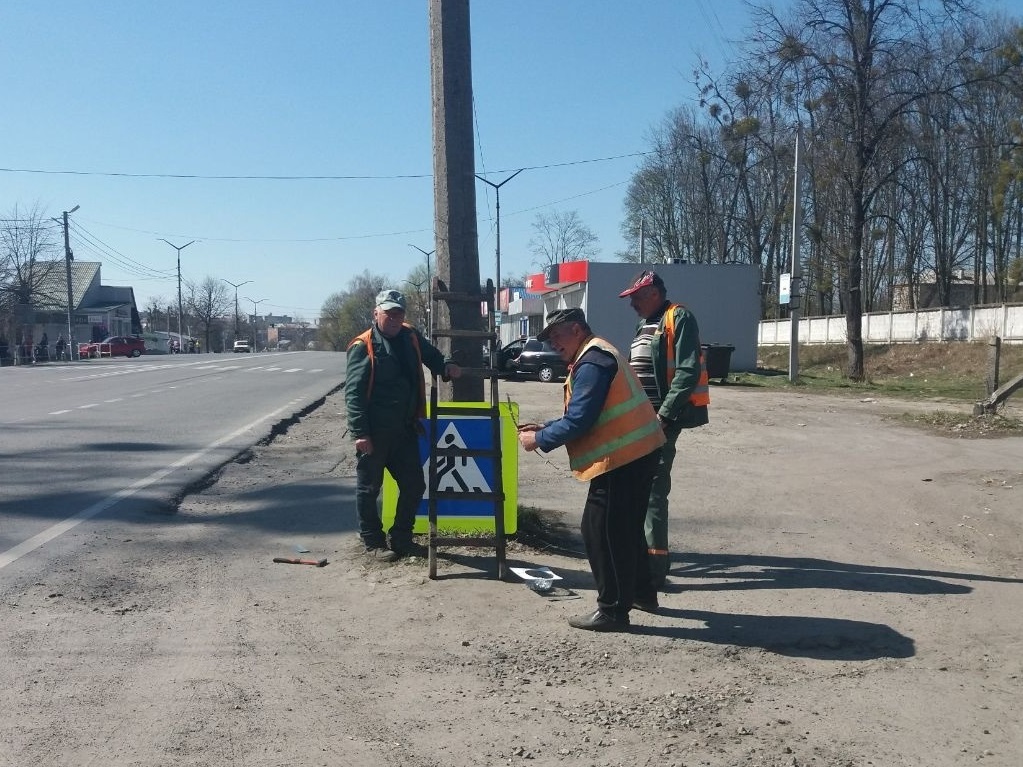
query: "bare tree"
28, 261
349, 312
560, 237
417, 294
208, 302
157, 311
857, 65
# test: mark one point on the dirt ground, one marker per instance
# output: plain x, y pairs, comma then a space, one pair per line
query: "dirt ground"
846, 591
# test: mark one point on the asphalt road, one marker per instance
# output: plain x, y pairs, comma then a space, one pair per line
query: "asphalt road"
129, 435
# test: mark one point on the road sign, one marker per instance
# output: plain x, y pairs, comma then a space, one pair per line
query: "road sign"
465, 474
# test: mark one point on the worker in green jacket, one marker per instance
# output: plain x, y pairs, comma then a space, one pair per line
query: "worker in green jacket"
385, 395
668, 359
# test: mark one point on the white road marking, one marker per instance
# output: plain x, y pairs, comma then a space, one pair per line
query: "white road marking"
60, 412
86, 407
25, 547
292, 370
115, 399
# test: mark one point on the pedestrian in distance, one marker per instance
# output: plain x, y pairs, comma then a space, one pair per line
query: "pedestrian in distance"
59, 346
385, 395
42, 350
613, 441
669, 362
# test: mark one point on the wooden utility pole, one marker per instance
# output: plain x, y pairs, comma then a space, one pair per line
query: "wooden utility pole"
454, 191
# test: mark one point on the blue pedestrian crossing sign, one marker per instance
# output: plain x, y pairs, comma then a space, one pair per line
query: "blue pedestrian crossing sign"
465, 474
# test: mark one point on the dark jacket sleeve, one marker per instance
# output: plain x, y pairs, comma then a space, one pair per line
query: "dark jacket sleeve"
433, 358
591, 381
687, 366
357, 372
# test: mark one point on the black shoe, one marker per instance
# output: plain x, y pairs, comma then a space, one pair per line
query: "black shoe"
411, 549
380, 554
598, 621
648, 605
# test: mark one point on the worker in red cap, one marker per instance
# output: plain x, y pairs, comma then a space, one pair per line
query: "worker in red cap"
668, 361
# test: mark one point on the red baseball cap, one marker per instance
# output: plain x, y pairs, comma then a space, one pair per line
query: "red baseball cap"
643, 280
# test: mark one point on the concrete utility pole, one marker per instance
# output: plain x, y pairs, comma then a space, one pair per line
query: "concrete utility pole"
454, 188
179, 279
72, 347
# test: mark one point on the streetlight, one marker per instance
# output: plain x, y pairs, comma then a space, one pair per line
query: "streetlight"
255, 303
497, 191
178, 249
255, 329
429, 291
236, 302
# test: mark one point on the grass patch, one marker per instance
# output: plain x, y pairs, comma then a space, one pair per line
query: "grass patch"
953, 371
964, 425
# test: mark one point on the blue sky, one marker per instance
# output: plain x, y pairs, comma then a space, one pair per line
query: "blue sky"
326, 88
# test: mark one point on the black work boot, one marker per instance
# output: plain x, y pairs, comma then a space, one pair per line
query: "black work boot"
598, 621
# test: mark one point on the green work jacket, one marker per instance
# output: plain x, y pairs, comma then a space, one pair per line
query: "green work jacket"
675, 404
394, 400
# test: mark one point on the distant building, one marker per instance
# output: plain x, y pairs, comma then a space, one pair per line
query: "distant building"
724, 297
925, 292
98, 310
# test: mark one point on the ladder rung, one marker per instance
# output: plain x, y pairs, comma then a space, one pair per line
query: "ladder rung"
454, 296
437, 541
489, 412
458, 495
463, 334
481, 372
468, 452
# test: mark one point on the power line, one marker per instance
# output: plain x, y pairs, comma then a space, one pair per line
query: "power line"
202, 177
91, 242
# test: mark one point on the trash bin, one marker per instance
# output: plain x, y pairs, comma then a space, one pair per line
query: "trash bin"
718, 358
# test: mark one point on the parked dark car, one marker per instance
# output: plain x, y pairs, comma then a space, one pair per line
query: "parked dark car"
114, 346
533, 358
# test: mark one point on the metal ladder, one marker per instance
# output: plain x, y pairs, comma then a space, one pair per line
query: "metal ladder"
493, 452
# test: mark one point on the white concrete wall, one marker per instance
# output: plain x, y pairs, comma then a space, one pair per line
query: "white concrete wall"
968, 323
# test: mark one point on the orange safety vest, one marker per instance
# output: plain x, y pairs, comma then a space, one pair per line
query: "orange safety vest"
626, 429
367, 338
700, 396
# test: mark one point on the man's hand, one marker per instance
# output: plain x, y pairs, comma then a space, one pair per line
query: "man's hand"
452, 370
527, 437
364, 445
664, 422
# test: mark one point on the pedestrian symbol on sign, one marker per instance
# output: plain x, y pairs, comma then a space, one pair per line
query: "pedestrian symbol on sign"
456, 473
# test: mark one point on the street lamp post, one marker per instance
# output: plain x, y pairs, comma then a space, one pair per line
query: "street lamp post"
178, 249
255, 329
233, 285
429, 291
255, 303
497, 192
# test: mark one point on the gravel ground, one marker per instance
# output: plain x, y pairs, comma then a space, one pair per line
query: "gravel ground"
845, 591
